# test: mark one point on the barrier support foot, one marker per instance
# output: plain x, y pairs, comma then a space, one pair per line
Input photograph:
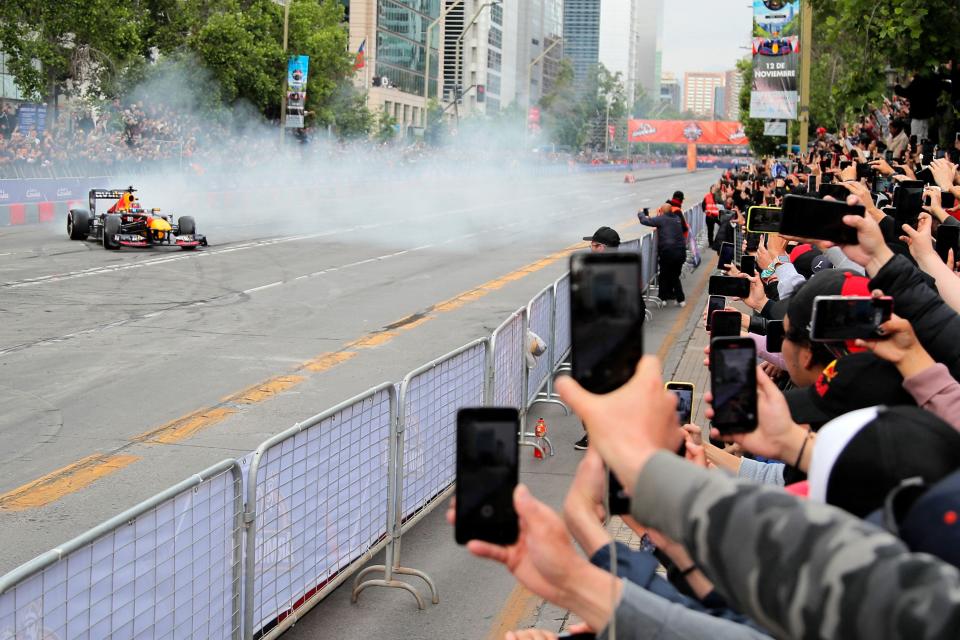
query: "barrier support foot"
524, 443
359, 584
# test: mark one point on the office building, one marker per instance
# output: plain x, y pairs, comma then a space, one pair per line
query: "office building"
581, 36
539, 49
396, 55
631, 36
648, 45
670, 91
698, 92
719, 103
734, 84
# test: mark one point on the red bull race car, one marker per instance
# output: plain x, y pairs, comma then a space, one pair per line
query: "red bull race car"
128, 224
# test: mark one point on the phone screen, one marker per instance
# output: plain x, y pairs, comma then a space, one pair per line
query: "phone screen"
729, 286
715, 303
763, 219
948, 237
835, 191
618, 502
838, 318
811, 183
908, 201
733, 381
488, 464
948, 200
684, 393
748, 265
774, 336
726, 324
819, 219
753, 241
882, 184
606, 319
726, 255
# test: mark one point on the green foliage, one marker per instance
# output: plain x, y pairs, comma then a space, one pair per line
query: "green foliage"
563, 115
386, 132
349, 115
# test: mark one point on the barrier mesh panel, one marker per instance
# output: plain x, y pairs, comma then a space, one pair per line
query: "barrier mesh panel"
169, 573
561, 323
321, 503
429, 412
540, 318
508, 363
646, 261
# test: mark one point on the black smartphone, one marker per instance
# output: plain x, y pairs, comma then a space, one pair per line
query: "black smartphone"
908, 202
888, 156
811, 183
819, 219
726, 324
838, 318
729, 286
733, 381
948, 237
715, 303
684, 393
606, 318
763, 219
865, 171
913, 141
774, 336
882, 184
948, 200
753, 241
927, 148
725, 256
835, 191
488, 466
748, 265
844, 164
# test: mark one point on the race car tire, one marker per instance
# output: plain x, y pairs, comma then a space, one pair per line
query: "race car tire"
78, 224
111, 227
187, 226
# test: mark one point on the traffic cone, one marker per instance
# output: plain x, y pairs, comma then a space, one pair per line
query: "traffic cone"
541, 429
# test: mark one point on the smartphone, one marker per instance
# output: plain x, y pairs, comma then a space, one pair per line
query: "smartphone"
725, 256
763, 219
733, 381
908, 201
838, 318
835, 191
882, 184
715, 303
888, 156
725, 324
774, 336
488, 466
618, 502
729, 286
748, 265
753, 241
684, 393
844, 164
606, 312
913, 141
948, 237
948, 200
819, 219
811, 183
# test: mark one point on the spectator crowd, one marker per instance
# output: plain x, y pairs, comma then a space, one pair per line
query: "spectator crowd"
838, 515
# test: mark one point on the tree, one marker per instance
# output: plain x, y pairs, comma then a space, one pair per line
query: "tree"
348, 113
48, 43
762, 145
562, 111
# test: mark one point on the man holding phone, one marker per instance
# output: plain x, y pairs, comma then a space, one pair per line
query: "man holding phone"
671, 247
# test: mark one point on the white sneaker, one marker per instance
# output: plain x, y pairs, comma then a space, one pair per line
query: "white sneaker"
682, 304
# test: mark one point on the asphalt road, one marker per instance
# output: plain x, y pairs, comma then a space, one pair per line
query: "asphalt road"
99, 348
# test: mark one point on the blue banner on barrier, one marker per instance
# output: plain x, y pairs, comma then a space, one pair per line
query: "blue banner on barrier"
45, 190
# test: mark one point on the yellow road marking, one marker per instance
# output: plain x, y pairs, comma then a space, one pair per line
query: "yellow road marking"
80, 474
63, 481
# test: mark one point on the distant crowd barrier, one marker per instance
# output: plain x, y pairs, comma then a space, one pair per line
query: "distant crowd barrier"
245, 548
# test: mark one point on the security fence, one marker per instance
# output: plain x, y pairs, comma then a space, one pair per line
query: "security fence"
214, 557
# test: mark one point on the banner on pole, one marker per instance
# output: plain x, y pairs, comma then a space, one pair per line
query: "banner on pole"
776, 59
297, 69
686, 131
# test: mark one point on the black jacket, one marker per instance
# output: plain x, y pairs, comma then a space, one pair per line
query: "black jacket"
937, 325
923, 94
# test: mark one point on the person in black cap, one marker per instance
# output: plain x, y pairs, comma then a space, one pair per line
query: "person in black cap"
603, 238
672, 232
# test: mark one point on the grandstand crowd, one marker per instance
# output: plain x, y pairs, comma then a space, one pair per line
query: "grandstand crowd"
838, 515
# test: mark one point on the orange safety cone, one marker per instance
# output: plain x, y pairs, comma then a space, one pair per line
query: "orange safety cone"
541, 429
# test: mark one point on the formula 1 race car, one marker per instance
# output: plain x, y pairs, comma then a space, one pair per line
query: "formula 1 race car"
127, 224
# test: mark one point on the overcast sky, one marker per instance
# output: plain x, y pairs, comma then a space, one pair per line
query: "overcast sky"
705, 35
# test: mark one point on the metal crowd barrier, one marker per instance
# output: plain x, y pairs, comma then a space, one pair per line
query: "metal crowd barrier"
317, 508
322, 498
169, 567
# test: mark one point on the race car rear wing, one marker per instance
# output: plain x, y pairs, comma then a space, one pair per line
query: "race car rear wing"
106, 194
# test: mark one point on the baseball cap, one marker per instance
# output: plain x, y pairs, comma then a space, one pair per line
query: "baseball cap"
927, 518
829, 282
863, 455
809, 260
605, 236
849, 383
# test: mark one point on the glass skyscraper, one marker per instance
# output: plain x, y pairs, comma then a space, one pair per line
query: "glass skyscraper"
581, 37
401, 43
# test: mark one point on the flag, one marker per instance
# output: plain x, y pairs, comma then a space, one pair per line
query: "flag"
360, 61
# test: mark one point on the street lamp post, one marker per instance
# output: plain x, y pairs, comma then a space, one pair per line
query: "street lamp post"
426, 84
463, 34
533, 64
283, 98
